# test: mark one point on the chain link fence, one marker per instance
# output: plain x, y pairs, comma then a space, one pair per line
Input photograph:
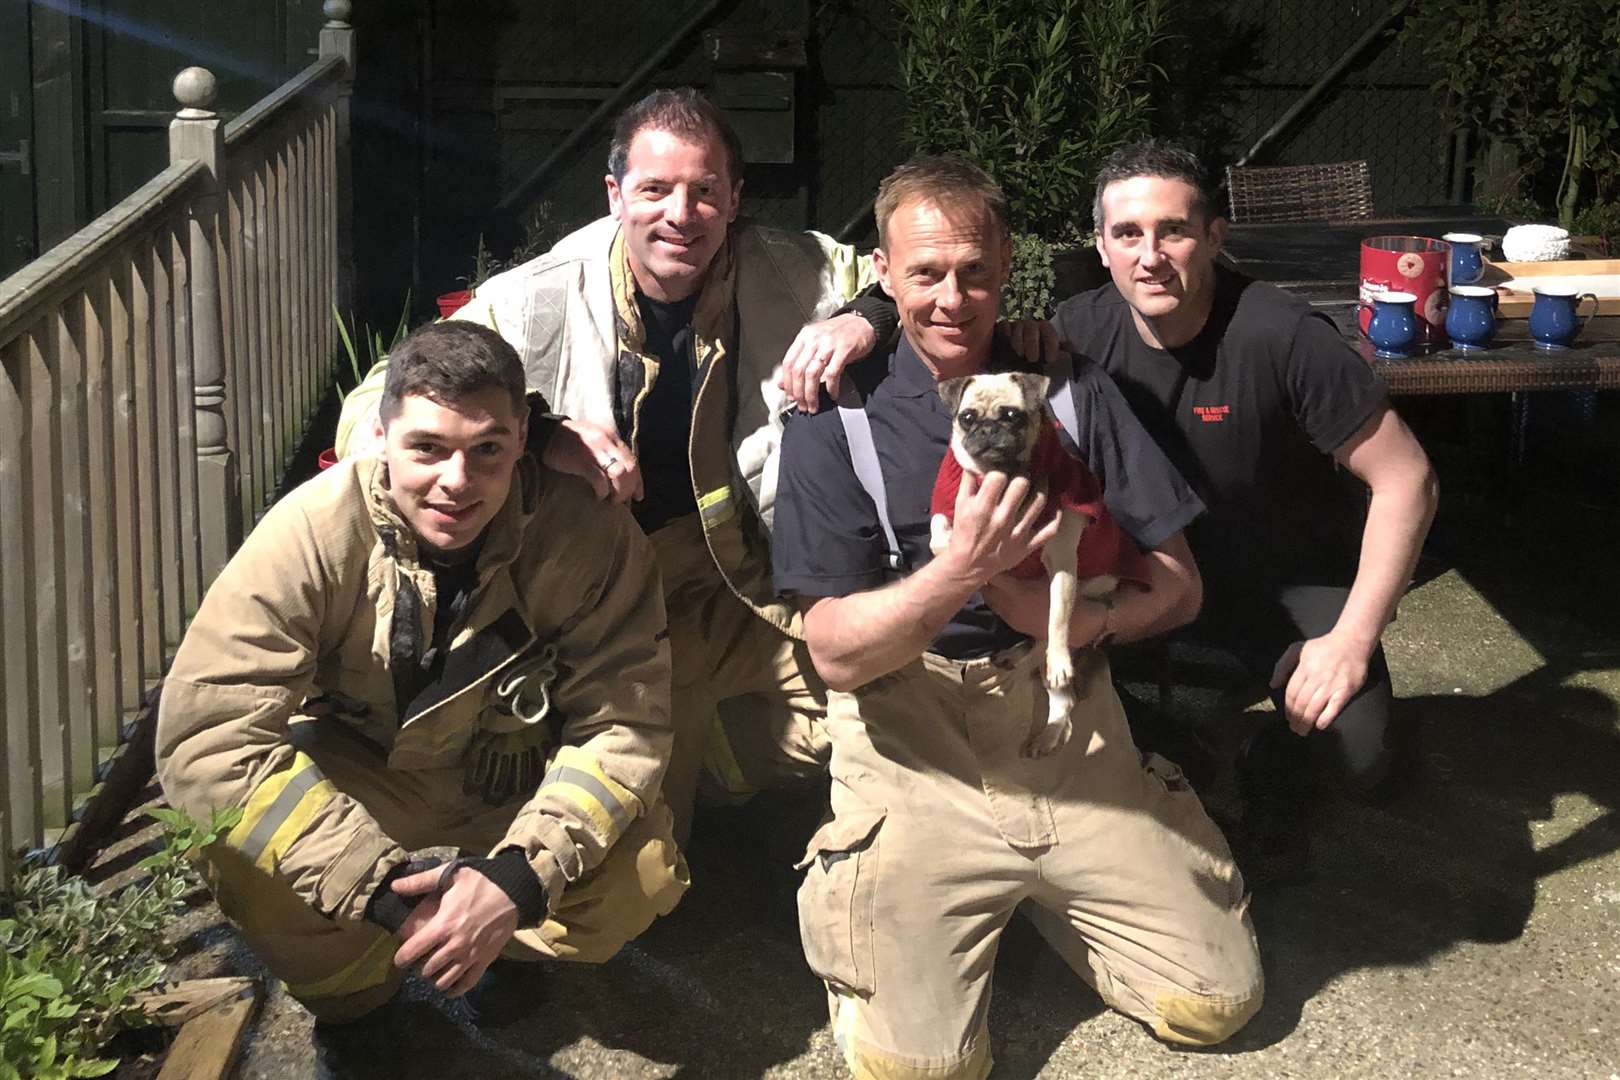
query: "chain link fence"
1382, 109
505, 83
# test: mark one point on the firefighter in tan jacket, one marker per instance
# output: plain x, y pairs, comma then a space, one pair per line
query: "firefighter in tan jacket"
436, 683
660, 332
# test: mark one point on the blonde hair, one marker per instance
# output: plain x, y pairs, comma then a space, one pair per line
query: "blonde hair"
946, 179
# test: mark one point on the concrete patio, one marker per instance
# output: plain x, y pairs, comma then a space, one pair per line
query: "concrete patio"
1471, 928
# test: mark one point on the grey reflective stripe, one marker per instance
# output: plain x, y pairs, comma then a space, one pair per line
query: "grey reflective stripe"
863, 456
1060, 396
562, 774
274, 818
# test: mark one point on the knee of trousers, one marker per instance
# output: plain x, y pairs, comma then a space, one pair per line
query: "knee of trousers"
868, 1061
1203, 1020
338, 970
644, 876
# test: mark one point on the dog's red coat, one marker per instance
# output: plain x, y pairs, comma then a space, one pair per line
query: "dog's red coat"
1104, 547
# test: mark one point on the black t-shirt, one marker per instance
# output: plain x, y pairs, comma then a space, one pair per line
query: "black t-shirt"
1250, 412
662, 442
826, 540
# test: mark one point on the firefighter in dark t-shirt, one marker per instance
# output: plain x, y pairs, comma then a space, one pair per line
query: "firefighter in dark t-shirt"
1318, 496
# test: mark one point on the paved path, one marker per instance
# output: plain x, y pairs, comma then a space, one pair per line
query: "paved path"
1470, 929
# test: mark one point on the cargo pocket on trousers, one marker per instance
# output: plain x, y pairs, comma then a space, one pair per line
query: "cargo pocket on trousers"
837, 898
1183, 812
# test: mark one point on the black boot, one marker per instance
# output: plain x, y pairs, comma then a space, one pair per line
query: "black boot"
1272, 844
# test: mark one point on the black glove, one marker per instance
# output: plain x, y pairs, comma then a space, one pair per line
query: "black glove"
388, 908
509, 869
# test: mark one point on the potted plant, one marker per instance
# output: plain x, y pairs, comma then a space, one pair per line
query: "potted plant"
359, 364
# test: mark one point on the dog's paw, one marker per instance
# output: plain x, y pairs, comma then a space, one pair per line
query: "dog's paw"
1050, 739
1057, 730
939, 534
1100, 587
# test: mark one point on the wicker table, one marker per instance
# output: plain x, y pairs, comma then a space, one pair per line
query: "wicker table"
1320, 263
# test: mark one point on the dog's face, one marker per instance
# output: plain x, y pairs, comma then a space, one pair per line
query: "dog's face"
995, 419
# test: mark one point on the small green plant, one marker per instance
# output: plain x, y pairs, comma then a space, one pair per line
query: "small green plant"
1031, 279
73, 961
375, 347
1037, 92
1600, 219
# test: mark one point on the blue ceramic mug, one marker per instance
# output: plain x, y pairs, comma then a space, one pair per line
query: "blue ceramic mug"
1393, 328
1553, 316
1471, 317
1466, 266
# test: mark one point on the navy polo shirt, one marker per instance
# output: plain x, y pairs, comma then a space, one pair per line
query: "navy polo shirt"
826, 540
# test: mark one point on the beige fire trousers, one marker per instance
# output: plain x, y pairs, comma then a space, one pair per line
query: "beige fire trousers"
940, 828
340, 970
746, 703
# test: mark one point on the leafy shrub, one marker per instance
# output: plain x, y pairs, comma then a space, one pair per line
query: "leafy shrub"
1037, 92
72, 961
1543, 77
1031, 279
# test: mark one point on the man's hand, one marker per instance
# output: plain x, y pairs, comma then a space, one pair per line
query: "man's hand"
819, 355
457, 934
1321, 675
1035, 340
997, 525
1021, 603
596, 455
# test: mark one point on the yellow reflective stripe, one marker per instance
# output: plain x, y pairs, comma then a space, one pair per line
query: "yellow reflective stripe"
715, 507
292, 828
722, 763
279, 809
575, 776
363, 973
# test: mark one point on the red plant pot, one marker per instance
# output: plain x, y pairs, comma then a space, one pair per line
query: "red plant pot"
327, 458
452, 302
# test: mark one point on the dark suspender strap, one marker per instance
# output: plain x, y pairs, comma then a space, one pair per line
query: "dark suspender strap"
1060, 397
863, 456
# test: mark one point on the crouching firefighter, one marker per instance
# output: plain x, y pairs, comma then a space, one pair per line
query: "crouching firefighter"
436, 683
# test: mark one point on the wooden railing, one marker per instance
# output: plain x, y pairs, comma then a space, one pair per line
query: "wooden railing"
159, 369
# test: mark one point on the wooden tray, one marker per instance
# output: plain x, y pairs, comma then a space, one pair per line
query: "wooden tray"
1516, 304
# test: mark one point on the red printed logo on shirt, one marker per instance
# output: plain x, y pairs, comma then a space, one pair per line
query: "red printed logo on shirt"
1212, 414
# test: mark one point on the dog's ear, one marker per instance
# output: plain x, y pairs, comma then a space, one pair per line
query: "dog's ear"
951, 390
1033, 387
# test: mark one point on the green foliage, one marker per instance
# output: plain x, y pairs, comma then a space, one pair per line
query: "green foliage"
1031, 279
375, 347
1541, 75
1037, 92
1599, 219
73, 961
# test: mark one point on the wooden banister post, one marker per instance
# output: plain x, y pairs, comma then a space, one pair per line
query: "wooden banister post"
196, 134
337, 39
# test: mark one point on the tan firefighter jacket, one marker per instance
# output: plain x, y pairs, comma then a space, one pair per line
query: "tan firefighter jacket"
566, 313
563, 645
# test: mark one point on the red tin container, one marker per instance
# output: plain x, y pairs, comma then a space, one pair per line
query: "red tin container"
1408, 264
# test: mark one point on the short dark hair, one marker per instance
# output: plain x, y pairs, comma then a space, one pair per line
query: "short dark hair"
948, 179
449, 362
1155, 157
682, 111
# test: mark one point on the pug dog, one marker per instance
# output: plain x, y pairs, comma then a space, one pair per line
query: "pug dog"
999, 423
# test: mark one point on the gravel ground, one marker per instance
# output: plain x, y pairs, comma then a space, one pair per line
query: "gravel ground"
1467, 929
